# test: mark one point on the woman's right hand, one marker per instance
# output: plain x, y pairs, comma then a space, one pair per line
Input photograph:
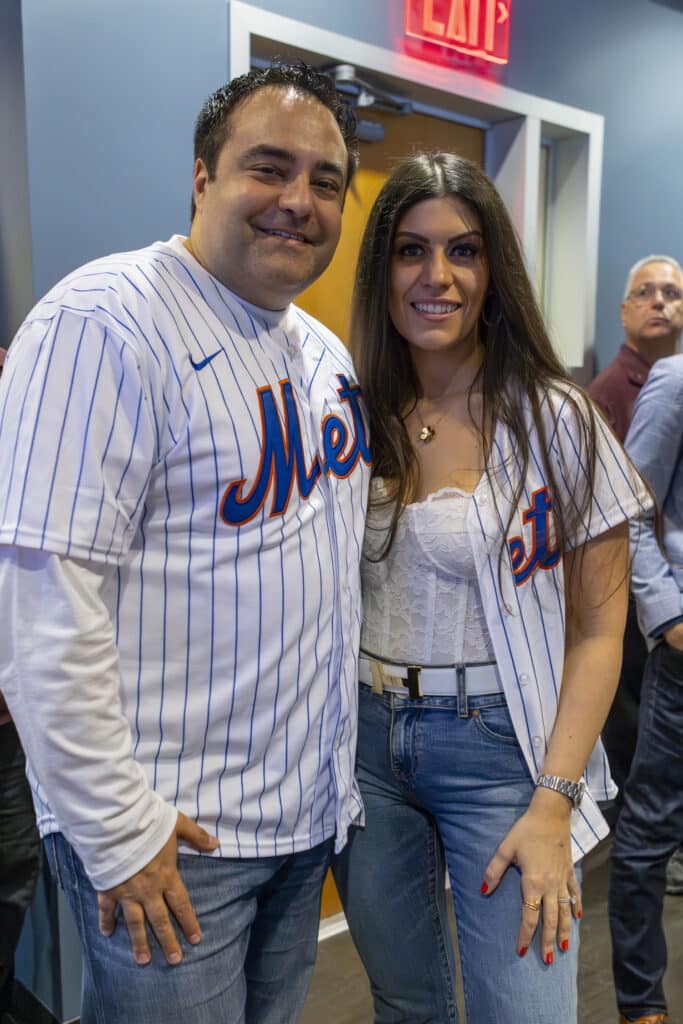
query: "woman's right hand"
539, 845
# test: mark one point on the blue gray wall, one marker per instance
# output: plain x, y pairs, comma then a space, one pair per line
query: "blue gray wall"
15, 233
112, 88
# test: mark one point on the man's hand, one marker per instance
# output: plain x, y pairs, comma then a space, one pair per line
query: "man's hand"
674, 636
149, 894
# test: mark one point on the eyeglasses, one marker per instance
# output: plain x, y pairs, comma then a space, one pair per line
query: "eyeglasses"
647, 292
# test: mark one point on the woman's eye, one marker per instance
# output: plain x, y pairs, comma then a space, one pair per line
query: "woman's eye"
410, 251
464, 252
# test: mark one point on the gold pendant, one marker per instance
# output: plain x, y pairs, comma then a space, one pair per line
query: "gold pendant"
426, 434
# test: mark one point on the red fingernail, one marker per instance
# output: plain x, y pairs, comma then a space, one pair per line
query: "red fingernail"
565, 945
579, 913
523, 951
549, 958
484, 888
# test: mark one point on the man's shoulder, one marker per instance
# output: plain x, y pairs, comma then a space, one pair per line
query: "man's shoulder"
314, 331
666, 376
101, 285
612, 373
669, 366
124, 295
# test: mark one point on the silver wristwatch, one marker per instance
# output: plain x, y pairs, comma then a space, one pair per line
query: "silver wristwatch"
572, 790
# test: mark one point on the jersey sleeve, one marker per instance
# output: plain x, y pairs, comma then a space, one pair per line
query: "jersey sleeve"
616, 493
77, 439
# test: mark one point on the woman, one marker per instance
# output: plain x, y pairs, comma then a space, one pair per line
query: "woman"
495, 581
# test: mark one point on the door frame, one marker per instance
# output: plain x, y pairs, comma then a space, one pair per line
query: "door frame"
516, 125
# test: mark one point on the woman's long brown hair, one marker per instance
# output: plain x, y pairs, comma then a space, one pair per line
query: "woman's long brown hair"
519, 365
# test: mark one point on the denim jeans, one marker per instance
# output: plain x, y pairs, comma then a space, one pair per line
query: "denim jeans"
442, 786
649, 829
259, 920
20, 853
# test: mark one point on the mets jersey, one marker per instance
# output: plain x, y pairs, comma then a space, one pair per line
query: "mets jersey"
211, 459
525, 602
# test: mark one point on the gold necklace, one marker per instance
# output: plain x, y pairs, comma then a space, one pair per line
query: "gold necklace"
428, 430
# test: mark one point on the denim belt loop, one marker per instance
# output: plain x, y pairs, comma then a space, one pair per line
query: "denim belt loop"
463, 711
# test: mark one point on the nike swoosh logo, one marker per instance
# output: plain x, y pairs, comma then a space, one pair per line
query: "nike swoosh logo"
204, 362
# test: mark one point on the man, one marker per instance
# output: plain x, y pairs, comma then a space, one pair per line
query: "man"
652, 318
19, 843
185, 467
650, 826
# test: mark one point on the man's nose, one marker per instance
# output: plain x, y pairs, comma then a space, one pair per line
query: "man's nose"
296, 196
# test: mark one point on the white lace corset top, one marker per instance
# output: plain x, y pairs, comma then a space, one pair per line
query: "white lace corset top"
422, 604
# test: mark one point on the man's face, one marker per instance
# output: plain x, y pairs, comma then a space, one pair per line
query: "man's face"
652, 314
269, 222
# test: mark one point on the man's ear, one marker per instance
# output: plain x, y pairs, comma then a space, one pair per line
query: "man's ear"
200, 179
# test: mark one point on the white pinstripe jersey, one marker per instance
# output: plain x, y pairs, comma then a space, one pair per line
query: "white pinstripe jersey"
525, 608
216, 456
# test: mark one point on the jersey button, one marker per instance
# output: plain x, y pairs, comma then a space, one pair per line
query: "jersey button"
537, 741
524, 678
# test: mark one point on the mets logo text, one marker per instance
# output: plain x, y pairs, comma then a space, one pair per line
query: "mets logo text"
541, 556
282, 454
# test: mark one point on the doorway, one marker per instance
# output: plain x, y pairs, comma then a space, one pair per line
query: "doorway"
329, 298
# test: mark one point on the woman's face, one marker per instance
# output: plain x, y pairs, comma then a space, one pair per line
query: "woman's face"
439, 275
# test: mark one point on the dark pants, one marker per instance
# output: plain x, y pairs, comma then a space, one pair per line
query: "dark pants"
19, 853
621, 728
649, 829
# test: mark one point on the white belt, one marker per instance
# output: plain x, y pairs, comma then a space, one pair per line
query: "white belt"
471, 680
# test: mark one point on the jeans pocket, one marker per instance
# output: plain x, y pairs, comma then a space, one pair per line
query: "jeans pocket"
495, 724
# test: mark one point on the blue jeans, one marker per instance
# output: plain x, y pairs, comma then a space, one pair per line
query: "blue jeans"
259, 920
649, 829
442, 786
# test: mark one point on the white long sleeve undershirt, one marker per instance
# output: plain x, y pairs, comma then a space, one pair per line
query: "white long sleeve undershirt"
59, 674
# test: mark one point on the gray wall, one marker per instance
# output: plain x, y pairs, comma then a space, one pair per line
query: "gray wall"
16, 286
112, 88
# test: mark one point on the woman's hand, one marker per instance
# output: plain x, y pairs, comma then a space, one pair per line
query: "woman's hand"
539, 845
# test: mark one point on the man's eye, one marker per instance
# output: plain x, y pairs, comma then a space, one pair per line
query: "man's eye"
327, 185
268, 170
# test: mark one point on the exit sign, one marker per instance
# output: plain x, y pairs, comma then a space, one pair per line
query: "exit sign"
480, 28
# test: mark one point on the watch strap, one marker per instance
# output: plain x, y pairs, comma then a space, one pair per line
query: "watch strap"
567, 787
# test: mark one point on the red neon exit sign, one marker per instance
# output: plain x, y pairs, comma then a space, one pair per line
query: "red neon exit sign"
480, 28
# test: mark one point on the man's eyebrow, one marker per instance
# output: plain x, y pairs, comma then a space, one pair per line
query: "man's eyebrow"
277, 153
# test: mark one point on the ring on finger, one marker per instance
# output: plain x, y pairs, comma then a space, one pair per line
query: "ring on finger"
536, 905
567, 899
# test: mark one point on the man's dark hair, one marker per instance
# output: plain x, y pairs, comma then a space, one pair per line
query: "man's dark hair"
213, 123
